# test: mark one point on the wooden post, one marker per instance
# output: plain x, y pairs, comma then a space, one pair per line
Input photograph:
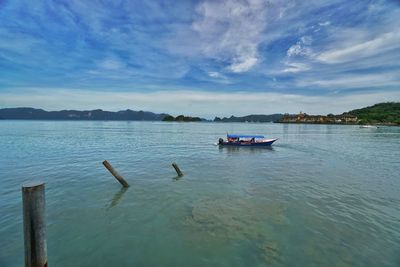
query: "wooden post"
178, 171
115, 174
33, 203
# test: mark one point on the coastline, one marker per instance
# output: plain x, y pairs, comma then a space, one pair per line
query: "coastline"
332, 123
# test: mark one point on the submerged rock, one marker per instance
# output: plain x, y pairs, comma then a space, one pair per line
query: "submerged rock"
221, 220
234, 217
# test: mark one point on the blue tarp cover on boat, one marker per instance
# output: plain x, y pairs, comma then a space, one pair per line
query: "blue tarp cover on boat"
243, 136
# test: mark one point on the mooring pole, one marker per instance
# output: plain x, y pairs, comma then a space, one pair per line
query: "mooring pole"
115, 174
33, 205
178, 171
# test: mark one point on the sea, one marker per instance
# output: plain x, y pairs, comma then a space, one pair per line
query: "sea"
322, 195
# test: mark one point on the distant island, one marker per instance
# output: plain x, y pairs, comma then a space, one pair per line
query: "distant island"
382, 113
251, 118
182, 118
97, 114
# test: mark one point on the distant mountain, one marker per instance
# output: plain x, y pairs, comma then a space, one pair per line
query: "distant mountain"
385, 113
251, 118
97, 114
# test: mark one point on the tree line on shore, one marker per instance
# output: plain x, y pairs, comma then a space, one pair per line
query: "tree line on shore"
384, 113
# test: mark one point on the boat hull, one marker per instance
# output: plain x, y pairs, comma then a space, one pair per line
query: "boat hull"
256, 144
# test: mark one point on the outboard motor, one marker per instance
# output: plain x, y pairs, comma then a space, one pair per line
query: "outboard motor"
220, 141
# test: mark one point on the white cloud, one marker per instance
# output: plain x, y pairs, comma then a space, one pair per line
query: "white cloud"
206, 104
243, 63
296, 67
306, 40
301, 48
219, 77
382, 80
111, 68
323, 24
231, 30
364, 48
216, 75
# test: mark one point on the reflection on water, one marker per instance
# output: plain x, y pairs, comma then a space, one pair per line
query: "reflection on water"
117, 197
176, 178
245, 149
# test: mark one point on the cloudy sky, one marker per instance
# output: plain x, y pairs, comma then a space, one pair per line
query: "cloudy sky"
202, 58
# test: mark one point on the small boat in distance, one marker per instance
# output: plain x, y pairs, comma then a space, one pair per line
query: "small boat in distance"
245, 140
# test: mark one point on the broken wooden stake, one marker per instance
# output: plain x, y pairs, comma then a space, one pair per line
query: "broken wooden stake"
115, 174
178, 171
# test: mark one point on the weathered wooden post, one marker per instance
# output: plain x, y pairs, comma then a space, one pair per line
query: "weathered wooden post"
115, 174
178, 171
33, 205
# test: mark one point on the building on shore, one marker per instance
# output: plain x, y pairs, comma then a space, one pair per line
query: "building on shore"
329, 119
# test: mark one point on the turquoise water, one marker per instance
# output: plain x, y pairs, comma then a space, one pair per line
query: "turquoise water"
324, 195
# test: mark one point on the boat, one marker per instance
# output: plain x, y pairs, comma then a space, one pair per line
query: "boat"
245, 140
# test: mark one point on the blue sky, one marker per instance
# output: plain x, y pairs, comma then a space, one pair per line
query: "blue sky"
200, 57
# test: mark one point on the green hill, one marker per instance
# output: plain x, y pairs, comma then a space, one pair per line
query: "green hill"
386, 113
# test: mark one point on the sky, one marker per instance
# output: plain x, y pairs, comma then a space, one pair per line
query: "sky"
204, 58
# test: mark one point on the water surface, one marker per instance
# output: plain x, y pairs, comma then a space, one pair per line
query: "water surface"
323, 195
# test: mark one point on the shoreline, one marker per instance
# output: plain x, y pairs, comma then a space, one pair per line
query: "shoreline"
327, 123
